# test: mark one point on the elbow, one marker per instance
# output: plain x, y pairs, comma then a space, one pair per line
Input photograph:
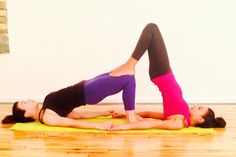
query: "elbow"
50, 123
175, 127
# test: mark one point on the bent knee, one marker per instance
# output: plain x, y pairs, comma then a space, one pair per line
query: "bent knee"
151, 26
130, 79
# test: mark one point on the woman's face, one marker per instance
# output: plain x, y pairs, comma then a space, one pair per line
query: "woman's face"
29, 106
197, 113
198, 110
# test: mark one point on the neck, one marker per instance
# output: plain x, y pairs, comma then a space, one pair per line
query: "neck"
38, 108
193, 122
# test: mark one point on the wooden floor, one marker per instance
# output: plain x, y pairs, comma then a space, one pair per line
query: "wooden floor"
52, 144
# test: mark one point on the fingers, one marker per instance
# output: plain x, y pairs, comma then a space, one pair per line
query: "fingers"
108, 113
112, 127
117, 115
111, 74
116, 127
114, 74
107, 125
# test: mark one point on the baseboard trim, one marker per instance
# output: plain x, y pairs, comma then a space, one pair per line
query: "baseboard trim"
153, 100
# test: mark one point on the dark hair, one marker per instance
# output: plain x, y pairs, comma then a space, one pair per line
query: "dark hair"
211, 122
17, 116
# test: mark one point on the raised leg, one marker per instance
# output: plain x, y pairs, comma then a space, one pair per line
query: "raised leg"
151, 40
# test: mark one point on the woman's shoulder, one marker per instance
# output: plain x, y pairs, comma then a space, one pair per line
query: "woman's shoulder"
178, 119
176, 116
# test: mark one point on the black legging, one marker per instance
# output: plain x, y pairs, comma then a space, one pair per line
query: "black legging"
151, 40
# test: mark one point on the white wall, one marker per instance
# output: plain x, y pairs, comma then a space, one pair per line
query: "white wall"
56, 43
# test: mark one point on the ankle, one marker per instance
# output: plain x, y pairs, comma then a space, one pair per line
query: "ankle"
131, 116
131, 63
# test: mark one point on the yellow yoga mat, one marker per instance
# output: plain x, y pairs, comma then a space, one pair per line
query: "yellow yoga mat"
36, 126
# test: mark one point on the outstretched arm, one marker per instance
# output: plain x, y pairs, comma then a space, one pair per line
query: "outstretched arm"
172, 124
150, 114
144, 114
77, 114
52, 119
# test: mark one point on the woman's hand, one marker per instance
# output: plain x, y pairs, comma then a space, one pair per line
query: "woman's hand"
104, 126
119, 127
108, 113
122, 115
118, 115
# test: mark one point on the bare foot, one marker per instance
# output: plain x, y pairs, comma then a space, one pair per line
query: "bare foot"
124, 69
131, 116
131, 119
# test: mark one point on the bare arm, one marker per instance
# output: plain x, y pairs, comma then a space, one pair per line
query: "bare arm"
150, 114
122, 115
144, 114
52, 119
172, 124
77, 114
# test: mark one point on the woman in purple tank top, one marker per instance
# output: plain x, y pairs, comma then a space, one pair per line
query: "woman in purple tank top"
176, 113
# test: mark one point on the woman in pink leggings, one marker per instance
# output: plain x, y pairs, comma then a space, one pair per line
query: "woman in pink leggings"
176, 112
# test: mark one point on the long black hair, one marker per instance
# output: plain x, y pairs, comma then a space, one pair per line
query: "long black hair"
17, 116
211, 122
